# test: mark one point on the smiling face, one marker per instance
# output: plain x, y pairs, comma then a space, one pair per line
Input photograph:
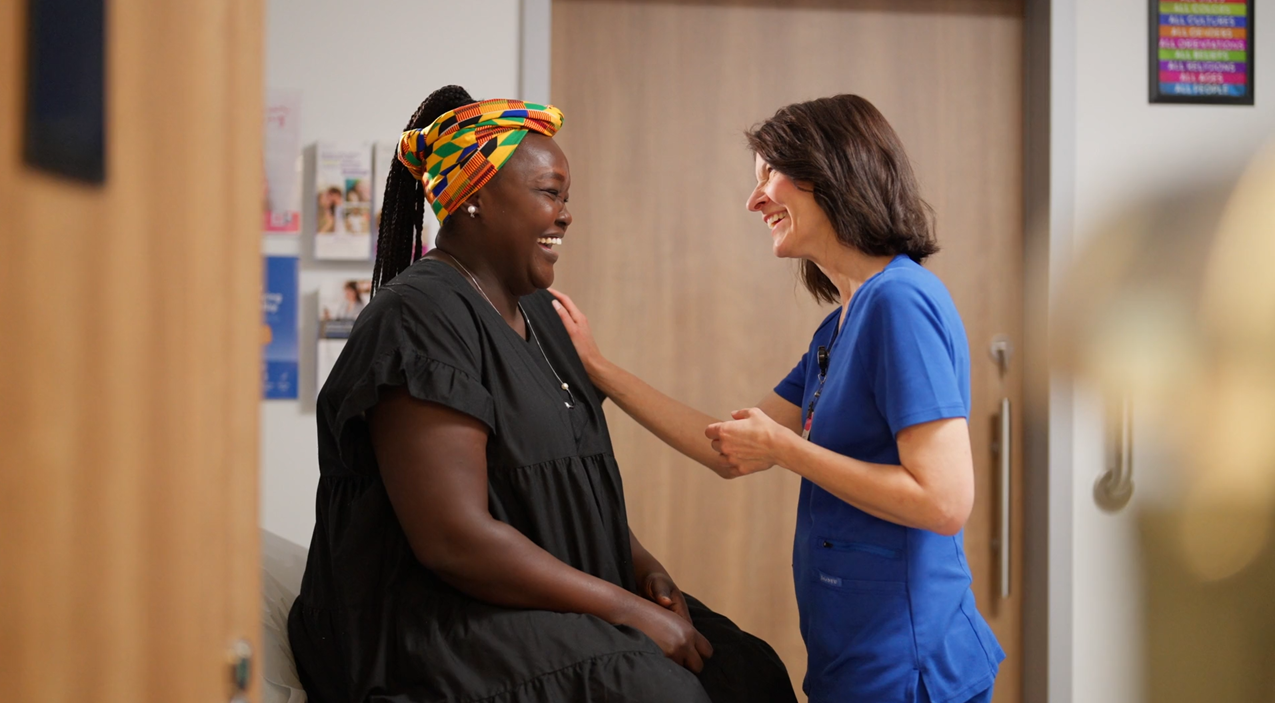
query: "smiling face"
798, 226
523, 214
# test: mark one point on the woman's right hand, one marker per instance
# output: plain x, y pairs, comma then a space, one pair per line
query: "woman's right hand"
581, 336
677, 638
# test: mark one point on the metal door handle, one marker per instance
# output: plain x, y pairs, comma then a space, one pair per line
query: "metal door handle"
1001, 350
1114, 487
1006, 461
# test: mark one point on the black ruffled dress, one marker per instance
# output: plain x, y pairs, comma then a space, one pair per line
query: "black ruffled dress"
372, 624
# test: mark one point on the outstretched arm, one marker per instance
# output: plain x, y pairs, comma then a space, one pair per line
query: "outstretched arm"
931, 488
433, 461
675, 423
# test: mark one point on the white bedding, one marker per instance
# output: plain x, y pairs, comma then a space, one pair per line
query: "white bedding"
282, 565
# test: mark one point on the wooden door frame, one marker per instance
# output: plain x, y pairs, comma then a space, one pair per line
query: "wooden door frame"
1045, 648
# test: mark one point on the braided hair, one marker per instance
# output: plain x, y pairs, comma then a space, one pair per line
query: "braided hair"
403, 208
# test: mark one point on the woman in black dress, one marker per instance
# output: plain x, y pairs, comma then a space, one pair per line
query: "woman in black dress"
471, 541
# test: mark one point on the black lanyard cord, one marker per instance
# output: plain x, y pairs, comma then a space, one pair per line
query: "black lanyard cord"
822, 356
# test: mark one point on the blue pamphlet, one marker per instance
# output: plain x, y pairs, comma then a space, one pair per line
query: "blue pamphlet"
279, 313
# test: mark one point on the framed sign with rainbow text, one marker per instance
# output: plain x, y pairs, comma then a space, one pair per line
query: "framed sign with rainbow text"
1202, 52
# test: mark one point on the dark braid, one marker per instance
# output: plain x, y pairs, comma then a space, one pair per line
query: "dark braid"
403, 207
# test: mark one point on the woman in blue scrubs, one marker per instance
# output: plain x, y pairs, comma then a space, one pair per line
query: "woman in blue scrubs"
873, 417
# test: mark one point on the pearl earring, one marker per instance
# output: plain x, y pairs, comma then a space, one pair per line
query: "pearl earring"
472, 210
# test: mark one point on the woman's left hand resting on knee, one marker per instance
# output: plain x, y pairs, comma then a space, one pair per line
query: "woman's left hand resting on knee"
653, 581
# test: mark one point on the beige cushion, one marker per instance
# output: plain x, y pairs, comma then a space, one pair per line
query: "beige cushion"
282, 565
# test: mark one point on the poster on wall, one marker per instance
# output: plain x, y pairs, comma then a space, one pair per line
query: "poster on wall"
343, 191
1202, 52
340, 302
279, 330
383, 156
282, 163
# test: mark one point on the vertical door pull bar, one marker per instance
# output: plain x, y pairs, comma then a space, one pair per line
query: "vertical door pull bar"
1006, 459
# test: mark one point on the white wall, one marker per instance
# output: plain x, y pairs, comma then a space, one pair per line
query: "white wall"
363, 68
1108, 146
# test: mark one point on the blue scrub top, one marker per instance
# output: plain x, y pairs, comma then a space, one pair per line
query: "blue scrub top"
882, 605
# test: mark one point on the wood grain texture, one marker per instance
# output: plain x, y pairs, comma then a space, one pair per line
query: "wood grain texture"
679, 281
130, 370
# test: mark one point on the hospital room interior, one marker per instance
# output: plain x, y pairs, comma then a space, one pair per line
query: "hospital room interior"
267, 435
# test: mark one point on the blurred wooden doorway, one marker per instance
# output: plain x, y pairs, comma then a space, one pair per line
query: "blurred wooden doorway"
679, 280
130, 368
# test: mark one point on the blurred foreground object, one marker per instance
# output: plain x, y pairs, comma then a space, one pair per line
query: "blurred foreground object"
1172, 305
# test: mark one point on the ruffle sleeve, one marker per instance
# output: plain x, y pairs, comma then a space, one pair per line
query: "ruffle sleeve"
430, 349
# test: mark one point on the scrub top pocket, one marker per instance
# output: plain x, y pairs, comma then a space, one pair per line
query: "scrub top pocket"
860, 623
856, 561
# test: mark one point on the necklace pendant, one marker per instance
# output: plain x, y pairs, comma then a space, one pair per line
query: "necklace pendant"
567, 404
565, 387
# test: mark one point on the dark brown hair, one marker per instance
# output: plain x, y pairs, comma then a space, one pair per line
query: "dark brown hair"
843, 149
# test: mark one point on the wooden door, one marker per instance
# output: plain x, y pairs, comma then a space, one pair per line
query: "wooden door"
130, 368
679, 280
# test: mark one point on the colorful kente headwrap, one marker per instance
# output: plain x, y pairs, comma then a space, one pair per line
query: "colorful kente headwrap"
463, 149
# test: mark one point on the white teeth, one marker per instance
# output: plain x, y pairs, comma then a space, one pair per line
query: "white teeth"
775, 218
550, 241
